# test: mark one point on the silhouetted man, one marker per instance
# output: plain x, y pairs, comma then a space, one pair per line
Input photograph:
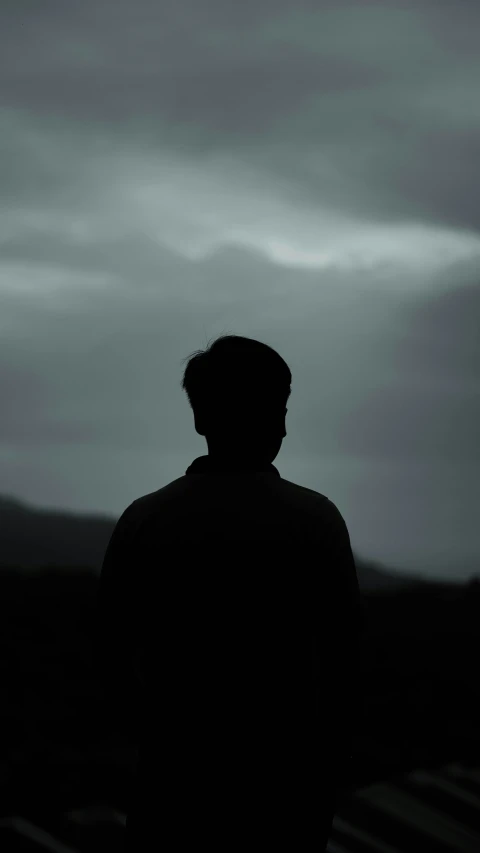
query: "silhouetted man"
230, 608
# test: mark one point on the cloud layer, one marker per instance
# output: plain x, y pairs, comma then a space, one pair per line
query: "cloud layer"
305, 175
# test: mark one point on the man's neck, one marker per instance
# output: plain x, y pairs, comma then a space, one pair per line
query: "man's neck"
235, 457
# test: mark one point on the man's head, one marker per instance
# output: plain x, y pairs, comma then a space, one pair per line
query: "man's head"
238, 390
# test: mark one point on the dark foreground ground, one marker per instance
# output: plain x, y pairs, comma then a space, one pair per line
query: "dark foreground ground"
59, 761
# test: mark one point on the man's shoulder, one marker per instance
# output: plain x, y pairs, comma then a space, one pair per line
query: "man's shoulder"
285, 491
303, 493
161, 498
164, 493
308, 502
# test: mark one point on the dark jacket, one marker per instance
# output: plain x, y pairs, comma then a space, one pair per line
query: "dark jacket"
229, 610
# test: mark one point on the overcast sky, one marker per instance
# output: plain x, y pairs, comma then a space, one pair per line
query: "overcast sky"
304, 173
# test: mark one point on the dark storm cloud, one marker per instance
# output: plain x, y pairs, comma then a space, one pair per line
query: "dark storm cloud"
441, 340
431, 411
384, 94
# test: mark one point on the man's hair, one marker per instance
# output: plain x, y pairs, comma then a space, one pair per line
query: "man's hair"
233, 374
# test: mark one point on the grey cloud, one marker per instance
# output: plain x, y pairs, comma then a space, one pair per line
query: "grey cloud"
441, 339
326, 100
102, 356
429, 409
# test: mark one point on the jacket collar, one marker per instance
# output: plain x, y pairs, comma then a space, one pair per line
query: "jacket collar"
207, 465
